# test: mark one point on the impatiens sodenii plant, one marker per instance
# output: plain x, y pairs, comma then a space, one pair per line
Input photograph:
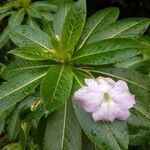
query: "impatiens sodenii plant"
54, 67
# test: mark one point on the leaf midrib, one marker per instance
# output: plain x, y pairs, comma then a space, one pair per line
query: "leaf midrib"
109, 131
142, 113
26, 68
22, 86
100, 52
70, 32
18, 14
57, 83
64, 126
123, 30
85, 39
33, 41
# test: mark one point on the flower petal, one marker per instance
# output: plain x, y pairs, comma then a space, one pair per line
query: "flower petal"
121, 86
123, 100
88, 100
105, 84
107, 112
123, 114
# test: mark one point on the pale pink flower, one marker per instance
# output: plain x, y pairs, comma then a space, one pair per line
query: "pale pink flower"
105, 99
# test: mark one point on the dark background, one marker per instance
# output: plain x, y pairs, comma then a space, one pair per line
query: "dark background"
128, 8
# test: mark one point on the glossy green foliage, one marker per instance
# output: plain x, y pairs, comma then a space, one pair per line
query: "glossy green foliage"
122, 29
73, 26
15, 90
25, 35
107, 51
68, 135
20, 66
35, 99
56, 86
33, 52
97, 22
20, 12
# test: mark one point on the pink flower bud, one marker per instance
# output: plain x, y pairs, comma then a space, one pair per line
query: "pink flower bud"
105, 99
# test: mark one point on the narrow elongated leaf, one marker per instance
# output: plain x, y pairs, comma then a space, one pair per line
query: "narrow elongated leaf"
139, 85
107, 51
33, 12
32, 23
46, 6
27, 35
4, 37
56, 86
21, 66
47, 16
32, 52
6, 7
63, 130
122, 29
2, 121
146, 46
97, 22
16, 18
59, 18
2, 16
142, 137
61, 3
131, 63
14, 125
105, 135
14, 91
73, 25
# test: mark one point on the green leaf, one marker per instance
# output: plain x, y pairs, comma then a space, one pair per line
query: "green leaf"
15, 90
63, 131
2, 16
47, 16
4, 36
32, 23
6, 7
146, 46
20, 66
56, 87
107, 51
97, 22
73, 25
33, 12
61, 3
2, 121
87, 144
130, 63
16, 18
32, 52
139, 85
45, 6
140, 138
27, 35
59, 18
126, 28
14, 125
105, 135
140, 117
22, 139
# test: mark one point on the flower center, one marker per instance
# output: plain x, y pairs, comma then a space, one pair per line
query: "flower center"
106, 97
